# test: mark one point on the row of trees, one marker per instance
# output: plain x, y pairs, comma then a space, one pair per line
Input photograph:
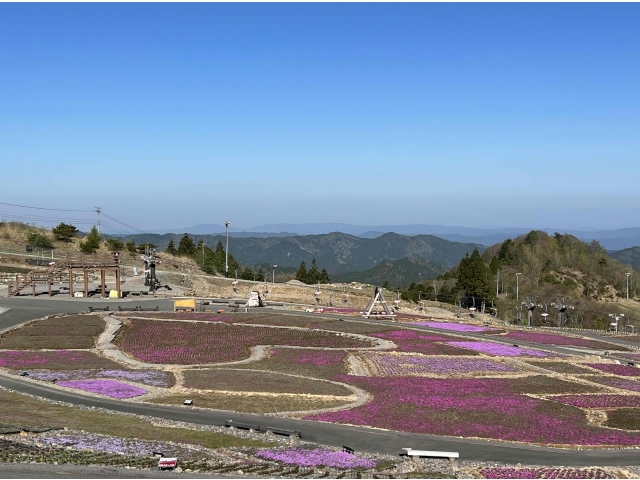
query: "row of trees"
313, 275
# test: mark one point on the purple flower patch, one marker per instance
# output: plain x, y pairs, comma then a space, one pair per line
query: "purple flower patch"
155, 378
393, 365
622, 370
422, 342
508, 472
311, 457
20, 359
598, 401
499, 349
623, 383
551, 339
109, 388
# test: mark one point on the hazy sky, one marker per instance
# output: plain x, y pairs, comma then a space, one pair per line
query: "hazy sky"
169, 115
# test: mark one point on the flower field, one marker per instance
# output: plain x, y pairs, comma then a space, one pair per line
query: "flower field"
622, 370
307, 363
109, 388
54, 360
202, 343
154, 378
456, 327
509, 472
72, 332
485, 408
624, 418
387, 364
598, 401
500, 349
561, 367
425, 343
550, 339
241, 381
623, 383
312, 457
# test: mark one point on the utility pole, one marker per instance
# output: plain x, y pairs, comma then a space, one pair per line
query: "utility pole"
273, 272
628, 274
98, 210
226, 252
435, 291
518, 286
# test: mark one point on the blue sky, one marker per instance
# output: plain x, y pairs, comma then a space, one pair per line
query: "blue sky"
169, 115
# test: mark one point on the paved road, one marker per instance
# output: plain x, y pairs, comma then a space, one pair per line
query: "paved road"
360, 438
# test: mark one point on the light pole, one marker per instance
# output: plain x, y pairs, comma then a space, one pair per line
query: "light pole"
226, 252
273, 273
518, 286
497, 282
628, 274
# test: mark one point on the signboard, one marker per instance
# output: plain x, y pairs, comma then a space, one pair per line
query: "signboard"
168, 462
254, 299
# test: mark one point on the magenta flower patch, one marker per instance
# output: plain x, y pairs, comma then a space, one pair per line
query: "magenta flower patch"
499, 349
313, 357
508, 472
598, 401
422, 342
312, 457
622, 370
23, 359
457, 327
623, 383
109, 388
550, 339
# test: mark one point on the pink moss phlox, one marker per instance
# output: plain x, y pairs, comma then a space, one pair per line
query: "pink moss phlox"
622, 370
485, 408
411, 365
318, 357
551, 339
509, 472
457, 327
109, 388
499, 349
20, 359
598, 401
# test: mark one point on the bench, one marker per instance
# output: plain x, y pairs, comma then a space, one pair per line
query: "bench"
97, 309
283, 431
243, 426
348, 449
410, 452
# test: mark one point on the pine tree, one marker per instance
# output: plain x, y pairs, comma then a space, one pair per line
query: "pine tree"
186, 247
324, 276
91, 242
247, 274
171, 248
260, 275
313, 275
64, 232
473, 276
302, 274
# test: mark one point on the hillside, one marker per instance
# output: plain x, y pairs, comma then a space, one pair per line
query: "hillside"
337, 252
553, 267
397, 272
628, 256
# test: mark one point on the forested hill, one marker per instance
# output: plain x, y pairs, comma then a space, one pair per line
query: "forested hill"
628, 256
396, 273
561, 263
337, 252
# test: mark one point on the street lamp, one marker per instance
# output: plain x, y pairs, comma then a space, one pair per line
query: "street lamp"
518, 285
226, 252
628, 274
273, 272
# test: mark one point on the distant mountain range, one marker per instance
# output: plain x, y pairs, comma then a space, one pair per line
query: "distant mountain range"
397, 272
628, 256
337, 252
610, 239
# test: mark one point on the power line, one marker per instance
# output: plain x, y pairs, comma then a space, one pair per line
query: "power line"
122, 223
42, 208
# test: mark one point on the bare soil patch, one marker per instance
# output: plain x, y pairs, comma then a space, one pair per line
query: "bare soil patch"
242, 381
562, 367
248, 403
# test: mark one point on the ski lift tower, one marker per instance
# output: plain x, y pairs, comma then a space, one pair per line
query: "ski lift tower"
531, 304
562, 309
377, 300
149, 258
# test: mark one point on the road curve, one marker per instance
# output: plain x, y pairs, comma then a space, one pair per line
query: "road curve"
362, 439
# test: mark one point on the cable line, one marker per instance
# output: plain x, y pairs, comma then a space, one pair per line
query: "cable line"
42, 208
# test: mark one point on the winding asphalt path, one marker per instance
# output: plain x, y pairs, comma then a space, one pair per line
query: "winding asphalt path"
363, 439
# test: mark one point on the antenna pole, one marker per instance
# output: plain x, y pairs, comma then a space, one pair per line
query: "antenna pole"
98, 210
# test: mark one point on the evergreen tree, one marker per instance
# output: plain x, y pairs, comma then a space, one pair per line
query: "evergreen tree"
115, 245
302, 274
64, 232
260, 275
473, 276
313, 275
39, 240
494, 265
91, 242
247, 274
324, 276
171, 248
186, 247
131, 247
